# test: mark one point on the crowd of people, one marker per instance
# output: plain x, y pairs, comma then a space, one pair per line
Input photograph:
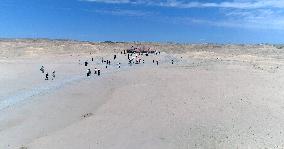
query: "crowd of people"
132, 58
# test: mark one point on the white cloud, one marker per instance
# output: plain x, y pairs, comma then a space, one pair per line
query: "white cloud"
261, 14
122, 12
238, 4
251, 19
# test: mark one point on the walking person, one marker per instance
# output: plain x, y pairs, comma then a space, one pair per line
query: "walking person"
46, 76
42, 69
99, 72
89, 73
53, 75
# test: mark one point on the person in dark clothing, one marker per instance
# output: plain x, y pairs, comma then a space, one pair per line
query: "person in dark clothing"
92, 59
99, 72
130, 62
96, 71
172, 61
102, 60
89, 73
46, 76
153, 61
42, 69
114, 57
157, 63
86, 63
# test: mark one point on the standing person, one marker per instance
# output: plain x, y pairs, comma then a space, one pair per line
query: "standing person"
143, 61
130, 61
128, 56
92, 59
99, 72
172, 61
42, 69
46, 76
88, 73
86, 63
96, 71
157, 63
114, 57
153, 61
102, 60
53, 75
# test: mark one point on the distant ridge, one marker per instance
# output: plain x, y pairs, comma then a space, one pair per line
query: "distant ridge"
134, 42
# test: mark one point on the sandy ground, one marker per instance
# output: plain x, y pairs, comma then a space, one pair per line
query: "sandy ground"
206, 99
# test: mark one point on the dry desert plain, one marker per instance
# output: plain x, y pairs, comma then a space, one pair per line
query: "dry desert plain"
213, 96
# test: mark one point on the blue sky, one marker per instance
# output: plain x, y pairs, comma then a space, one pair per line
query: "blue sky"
217, 21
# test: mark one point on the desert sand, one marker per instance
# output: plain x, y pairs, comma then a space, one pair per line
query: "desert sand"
213, 96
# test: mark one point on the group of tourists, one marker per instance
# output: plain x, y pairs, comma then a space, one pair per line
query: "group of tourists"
46, 74
132, 57
96, 72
